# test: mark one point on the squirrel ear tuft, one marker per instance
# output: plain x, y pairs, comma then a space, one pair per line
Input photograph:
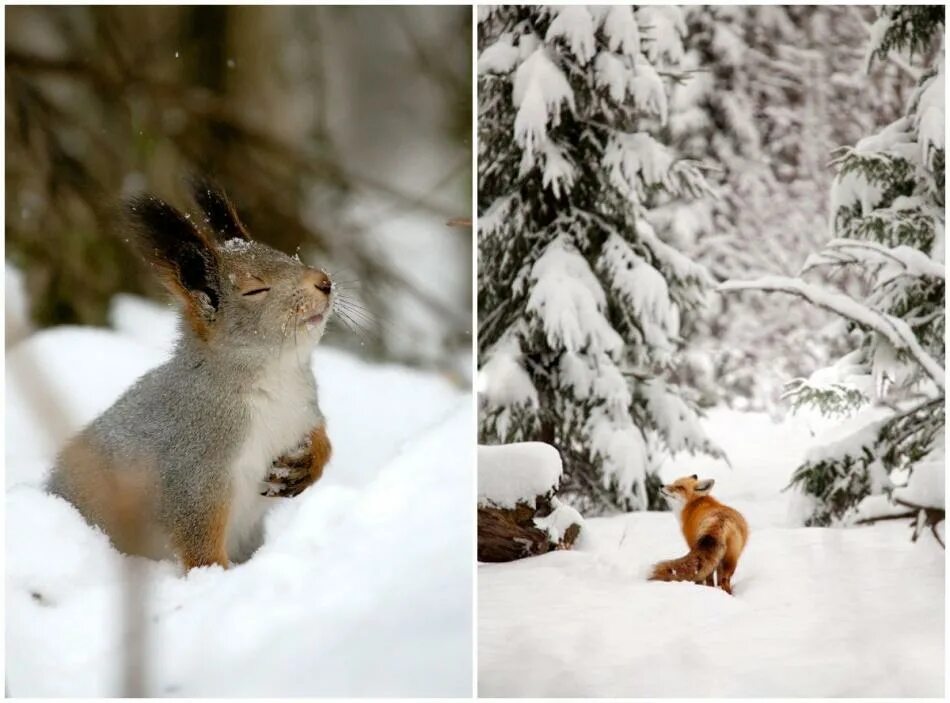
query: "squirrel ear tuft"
185, 260
220, 215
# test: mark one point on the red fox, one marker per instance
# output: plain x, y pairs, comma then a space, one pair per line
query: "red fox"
716, 535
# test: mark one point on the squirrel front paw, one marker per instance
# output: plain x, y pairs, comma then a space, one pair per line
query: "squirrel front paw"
292, 472
289, 474
288, 477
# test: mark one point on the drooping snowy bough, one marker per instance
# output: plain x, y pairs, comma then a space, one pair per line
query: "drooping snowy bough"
518, 512
888, 204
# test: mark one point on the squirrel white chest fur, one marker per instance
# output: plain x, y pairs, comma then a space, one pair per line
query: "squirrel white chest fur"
282, 411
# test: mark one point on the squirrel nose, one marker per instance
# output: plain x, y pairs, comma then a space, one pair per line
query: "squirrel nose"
320, 280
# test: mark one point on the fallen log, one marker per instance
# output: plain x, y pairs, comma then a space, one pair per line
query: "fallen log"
519, 514
504, 536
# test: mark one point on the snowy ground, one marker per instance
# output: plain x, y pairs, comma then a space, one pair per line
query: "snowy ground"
363, 586
816, 612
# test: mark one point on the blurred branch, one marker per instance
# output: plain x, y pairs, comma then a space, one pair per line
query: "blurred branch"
430, 65
206, 105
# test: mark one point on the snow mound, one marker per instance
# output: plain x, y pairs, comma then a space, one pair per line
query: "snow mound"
363, 586
509, 474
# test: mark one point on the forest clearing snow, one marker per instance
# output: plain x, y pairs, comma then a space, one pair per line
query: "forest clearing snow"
363, 586
816, 612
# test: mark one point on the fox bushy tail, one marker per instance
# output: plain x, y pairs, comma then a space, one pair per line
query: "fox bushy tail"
695, 566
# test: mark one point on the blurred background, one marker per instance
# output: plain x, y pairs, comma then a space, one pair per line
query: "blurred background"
341, 133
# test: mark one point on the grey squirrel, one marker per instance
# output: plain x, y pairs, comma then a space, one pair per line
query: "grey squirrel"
186, 462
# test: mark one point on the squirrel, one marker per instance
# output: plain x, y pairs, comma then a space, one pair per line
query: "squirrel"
188, 460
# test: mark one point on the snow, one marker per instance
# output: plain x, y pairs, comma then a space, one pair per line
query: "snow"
611, 73
679, 264
926, 484
644, 288
622, 449
675, 420
930, 118
910, 261
61, 379
587, 375
849, 437
362, 588
877, 31
497, 215
894, 329
817, 611
729, 45
558, 174
848, 373
568, 299
649, 93
236, 245
559, 521
628, 156
509, 474
621, 31
576, 26
155, 327
894, 140
540, 88
500, 57
663, 28
503, 380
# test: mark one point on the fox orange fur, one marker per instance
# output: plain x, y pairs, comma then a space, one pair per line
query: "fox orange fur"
716, 535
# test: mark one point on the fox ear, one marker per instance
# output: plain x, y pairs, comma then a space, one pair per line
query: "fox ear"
218, 211
694, 477
704, 485
186, 262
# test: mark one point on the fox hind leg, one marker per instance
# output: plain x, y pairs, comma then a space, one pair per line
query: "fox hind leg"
727, 568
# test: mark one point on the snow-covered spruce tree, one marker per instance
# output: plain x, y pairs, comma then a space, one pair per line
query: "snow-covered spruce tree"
580, 302
888, 222
773, 91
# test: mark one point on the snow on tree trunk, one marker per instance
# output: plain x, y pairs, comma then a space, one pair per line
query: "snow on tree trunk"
887, 212
580, 301
518, 513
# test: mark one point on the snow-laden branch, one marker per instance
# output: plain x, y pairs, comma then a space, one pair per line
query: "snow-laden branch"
912, 260
895, 330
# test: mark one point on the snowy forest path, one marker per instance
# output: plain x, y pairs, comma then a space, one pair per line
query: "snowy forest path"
762, 455
806, 618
